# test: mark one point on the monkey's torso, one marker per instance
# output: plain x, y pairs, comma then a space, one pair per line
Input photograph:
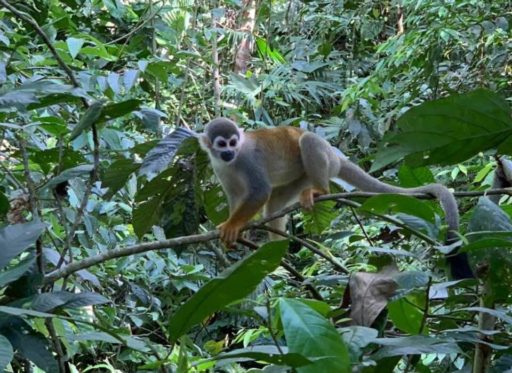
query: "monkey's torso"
283, 166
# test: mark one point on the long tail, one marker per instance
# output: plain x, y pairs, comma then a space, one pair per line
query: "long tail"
458, 262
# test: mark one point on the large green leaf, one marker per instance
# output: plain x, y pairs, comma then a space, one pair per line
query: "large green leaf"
163, 153
413, 177
395, 203
118, 109
88, 119
267, 353
320, 217
6, 352
16, 238
34, 347
68, 174
46, 302
405, 315
74, 46
450, 130
492, 248
116, 176
146, 214
310, 334
415, 345
14, 273
234, 283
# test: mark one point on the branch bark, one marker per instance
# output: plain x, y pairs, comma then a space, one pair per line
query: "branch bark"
212, 235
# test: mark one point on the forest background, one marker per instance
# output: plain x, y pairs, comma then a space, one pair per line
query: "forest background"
111, 266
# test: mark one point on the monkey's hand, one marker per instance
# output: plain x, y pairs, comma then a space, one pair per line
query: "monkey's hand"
229, 232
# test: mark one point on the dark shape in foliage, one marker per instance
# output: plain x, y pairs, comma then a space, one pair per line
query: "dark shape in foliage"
162, 154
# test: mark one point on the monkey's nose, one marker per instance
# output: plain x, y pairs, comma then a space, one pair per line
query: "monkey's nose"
227, 155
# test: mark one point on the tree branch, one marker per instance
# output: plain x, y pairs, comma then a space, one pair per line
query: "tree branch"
212, 235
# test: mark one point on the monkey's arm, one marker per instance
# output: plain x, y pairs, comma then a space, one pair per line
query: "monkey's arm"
230, 229
257, 193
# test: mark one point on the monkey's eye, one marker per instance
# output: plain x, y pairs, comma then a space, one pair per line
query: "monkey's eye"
221, 144
232, 142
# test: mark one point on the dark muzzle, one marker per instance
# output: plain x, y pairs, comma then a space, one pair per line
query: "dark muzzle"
227, 155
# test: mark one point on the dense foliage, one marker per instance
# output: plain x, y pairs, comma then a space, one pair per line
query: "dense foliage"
108, 265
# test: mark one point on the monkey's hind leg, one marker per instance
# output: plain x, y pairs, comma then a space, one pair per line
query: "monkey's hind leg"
280, 198
319, 164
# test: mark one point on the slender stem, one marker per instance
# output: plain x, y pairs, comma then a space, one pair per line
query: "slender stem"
306, 244
34, 205
314, 293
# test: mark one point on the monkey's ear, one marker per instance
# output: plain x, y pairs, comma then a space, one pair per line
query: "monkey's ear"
204, 141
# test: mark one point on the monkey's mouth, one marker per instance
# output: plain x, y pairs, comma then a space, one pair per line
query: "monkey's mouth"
227, 156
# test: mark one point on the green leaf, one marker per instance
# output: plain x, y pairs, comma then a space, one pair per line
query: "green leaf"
4, 204
394, 203
6, 352
74, 46
118, 109
450, 130
151, 118
68, 174
14, 273
311, 335
487, 243
269, 354
163, 153
500, 314
146, 214
405, 315
46, 302
414, 345
89, 118
215, 205
357, 338
412, 177
16, 238
234, 283
129, 78
118, 173
34, 347
320, 217
266, 51
113, 82
17, 99
487, 216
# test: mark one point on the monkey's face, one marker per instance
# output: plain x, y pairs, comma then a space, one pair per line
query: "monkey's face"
226, 149
222, 139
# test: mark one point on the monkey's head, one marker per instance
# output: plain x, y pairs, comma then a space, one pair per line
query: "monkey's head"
222, 139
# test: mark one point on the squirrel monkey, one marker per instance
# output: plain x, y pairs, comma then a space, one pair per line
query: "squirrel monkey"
272, 168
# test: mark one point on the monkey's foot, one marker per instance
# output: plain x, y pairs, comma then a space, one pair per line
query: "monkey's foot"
229, 233
306, 199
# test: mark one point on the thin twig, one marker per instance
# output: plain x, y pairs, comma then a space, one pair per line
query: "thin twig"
136, 28
269, 324
298, 276
215, 68
61, 356
34, 205
427, 304
306, 244
360, 223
